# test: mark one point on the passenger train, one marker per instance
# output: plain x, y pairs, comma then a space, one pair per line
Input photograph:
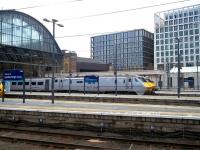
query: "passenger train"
134, 84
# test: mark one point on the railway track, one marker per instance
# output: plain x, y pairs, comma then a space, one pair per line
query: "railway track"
61, 141
44, 138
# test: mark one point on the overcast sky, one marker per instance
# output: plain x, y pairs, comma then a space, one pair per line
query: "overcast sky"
65, 10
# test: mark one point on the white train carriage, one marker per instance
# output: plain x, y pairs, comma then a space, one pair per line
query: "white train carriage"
35, 84
105, 84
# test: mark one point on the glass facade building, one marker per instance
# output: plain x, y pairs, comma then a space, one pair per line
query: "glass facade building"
128, 50
181, 23
23, 38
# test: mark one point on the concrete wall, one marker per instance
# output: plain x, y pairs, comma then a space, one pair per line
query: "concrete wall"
123, 125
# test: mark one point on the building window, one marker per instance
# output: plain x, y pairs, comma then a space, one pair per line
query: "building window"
185, 14
196, 31
191, 19
191, 58
166, 41
171, 53
186, 52
197, 51
166, 29
196, 44
196, 38
185, 20
186, 33
191, 45
186, 58
186, 45
191, 51
191, 32
186, 26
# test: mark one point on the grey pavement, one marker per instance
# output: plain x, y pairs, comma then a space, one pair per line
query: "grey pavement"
99, 108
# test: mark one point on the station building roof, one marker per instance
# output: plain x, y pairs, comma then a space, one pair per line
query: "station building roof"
21, 30
23, 38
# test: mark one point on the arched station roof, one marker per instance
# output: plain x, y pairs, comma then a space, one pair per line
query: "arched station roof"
21, 30
26, 43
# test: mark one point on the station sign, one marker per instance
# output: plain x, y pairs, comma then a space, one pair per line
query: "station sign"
13, 75
188, 80
91, 79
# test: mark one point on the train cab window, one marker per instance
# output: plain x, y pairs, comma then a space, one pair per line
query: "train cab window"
79, 81
33, 83
142, 79
26, 83
14, 83
19, 83
40, 83
136, 80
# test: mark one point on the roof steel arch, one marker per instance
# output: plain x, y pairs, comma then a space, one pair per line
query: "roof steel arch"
37, 24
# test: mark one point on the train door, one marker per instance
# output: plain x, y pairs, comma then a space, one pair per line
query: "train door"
191, 82
129, 84
61, 84
47, 85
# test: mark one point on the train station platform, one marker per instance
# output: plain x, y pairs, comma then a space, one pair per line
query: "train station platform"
122, 119
112, 98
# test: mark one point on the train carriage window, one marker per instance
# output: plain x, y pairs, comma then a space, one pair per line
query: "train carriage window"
40, 83
33, 83
124, 81
19, 83
79, 81
129, 80
26, 83
56, 80
14, 83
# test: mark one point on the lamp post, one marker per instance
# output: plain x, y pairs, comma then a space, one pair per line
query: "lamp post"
54, 22
115, 68
197, 73
178, 79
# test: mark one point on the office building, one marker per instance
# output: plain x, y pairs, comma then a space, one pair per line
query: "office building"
170, 26
128, 50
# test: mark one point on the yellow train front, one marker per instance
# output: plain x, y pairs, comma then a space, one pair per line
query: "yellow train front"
1, 89
152, 84
149, 85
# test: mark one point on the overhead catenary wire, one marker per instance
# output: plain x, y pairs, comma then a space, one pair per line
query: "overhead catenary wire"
125, 10
101, 14
108, 13
44, 5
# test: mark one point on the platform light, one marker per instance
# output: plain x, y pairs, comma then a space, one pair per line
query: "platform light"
53, 21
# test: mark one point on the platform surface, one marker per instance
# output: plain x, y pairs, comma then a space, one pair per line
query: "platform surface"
99, 108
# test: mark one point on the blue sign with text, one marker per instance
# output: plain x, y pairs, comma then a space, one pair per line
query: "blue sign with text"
10, 75
91, 79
